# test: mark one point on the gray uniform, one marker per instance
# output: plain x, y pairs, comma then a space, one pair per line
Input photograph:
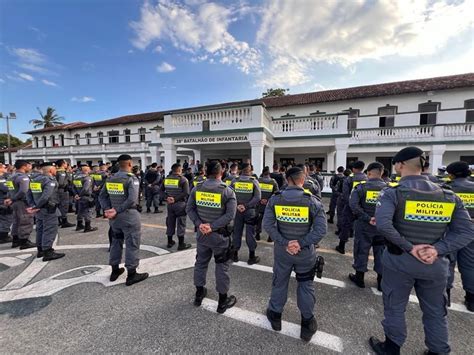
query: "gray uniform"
247, 192
268, 188
465, 257
431, 177
6, 212
362, 203
152, 193
418, 211
98, 180
334, 195
22, 221
347, 217
64, 182
43, 194
121, 192
83, 188
292, 214
176, 186
212, 201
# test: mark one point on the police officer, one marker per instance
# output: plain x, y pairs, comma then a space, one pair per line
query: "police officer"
341, 204
459, 173
362, 203
357, 177
18, 185
233, 174
268, 187
153, 180
6, 212
83, 184
421, 223
296, 221
64, 184
316, 176
43, 199
119, 199
248, 194
199, 178
98, 178
335, 193
211, 207
176, 191
426, 172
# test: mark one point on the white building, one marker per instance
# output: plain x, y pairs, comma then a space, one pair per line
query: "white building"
330, 128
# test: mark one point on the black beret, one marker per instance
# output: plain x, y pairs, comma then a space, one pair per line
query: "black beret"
459, 169
407, 154
47, 163
124, 157
101, 164
294, 171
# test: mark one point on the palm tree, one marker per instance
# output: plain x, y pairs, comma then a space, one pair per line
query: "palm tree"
51, 119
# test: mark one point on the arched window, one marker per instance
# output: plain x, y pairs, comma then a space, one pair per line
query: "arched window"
428, 112
36, 143
53, 140
126, 133
113, 136
77, 139
469, 106
44, 141
353, 114
88, 138
142, 134
61, 140
100, 136
387, 116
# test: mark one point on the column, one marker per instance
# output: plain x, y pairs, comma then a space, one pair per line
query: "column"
269, 158
257, 148
197, 156
341, 155
170, 153
330, 161
72, 160
143, 161
436, 157
104, 158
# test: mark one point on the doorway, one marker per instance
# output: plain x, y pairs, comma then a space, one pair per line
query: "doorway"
386, 161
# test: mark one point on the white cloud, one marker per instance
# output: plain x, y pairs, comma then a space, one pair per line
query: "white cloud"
165, 68
34, 68
26, 76
28, 55
200, 28
158, 49
83, 99
2, 81
49, 83
297, 34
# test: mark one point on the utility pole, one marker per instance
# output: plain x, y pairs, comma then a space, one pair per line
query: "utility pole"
8, 117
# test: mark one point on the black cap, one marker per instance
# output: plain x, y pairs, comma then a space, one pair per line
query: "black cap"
407, 154
294, 171
47, 163
124, 157
459, 169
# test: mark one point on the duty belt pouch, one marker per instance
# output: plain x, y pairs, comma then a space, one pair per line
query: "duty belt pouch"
251, 217
51, 209
225, 255
393, 249
90, 201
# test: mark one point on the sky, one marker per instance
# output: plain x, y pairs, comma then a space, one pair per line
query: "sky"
98, 59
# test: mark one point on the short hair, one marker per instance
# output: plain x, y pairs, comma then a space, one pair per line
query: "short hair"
340, 169
154, 165
175, 167
386, 173
21, 163
60, 162
276, 166
359, 165
375, 166
266, 170
246, 166
234, 166
214, 168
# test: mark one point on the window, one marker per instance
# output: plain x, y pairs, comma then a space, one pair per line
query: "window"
126, 133
44, 141
88, 138
142, 133
352, 119
113, 136
36, 142
387, 116
428, 113
469, 105
100, 136
61, 140
53, 141
77, 139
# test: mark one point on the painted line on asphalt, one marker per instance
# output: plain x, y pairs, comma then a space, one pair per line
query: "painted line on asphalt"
269, 269
161, 226
413, 299
11, 261
150, 248
323, 339
35, 267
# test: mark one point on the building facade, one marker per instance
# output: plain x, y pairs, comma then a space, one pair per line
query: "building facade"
328, 128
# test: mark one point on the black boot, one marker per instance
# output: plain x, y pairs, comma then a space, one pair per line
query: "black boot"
65, 223
40, 253
171, 242
148, 210
134, 277
337, 232
257, 236
157, 210
469, 301
116, 272
182, 245
50, 254
358, 279
88, 228
4, 238
308, 328
379, 282
235, 256
275, 319
269, 239
331, 220
15, 241
26, 244
225, 302
201, 293
386, 347
341, 248
448, 293
252, 258
79, 226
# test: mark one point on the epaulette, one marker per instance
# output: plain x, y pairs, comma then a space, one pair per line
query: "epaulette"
130, 174
393, 184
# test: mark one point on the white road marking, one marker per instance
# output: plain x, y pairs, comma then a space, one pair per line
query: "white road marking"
23, 256
11, 261
323, 339
269, 269
27, 275
156, 265
413, 299
150, 248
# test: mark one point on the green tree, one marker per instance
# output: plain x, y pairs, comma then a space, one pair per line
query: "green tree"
14, 141
275, 92
51, 119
